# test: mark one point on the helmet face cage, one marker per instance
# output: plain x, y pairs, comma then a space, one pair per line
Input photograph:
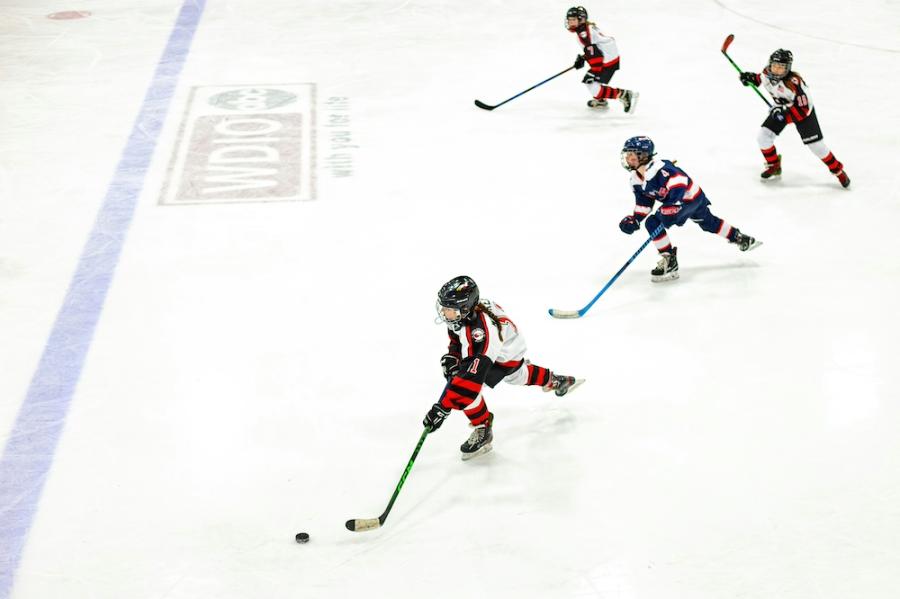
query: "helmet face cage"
783, 57
576, 12
642, 147
460, 294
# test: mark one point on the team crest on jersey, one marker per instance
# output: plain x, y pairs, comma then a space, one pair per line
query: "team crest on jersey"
583, 34
477, 335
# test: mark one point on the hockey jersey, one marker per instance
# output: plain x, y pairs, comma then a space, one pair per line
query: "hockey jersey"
791, 92
600, 51
480, 345
665, 183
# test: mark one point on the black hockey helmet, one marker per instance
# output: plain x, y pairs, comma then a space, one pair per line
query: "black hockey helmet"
576, 12
460, 294
642, 146
782, 57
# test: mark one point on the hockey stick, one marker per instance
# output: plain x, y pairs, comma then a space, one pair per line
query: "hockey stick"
361, 524
481, 104
579, 313
727, 43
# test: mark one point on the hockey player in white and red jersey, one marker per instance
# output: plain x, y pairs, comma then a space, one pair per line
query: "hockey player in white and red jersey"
602, 57
681, 199
792, 105
486, 347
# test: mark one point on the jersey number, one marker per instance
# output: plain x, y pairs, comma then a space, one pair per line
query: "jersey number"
473, 369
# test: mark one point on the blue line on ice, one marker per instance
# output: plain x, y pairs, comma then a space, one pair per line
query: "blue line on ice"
32, 442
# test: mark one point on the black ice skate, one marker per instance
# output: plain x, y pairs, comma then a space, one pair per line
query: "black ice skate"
479, 441
599, 104
745, 242
629, 99
562, 384
844, 179
772, 170
667, 267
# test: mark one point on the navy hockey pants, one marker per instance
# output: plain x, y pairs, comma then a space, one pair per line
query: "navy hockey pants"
697, 211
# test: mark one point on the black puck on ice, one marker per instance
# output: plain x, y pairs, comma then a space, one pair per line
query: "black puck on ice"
302, 537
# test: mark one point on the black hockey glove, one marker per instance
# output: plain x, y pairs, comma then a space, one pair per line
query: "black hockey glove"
777, 113
435, 417
629, 224
747, 78
579, 61
450, 366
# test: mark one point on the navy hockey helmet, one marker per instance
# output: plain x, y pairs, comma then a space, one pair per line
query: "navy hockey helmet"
782, 57
460, 294
643, 148
576, 12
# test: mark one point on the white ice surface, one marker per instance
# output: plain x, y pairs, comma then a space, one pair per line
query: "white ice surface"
262, 369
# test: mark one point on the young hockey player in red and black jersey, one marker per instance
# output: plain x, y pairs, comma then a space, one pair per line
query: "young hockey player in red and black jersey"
485, 348
602, 56
680, 198
792, 105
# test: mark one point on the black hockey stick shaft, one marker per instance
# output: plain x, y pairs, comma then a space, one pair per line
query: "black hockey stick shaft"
725, 45
481, 104
361, 524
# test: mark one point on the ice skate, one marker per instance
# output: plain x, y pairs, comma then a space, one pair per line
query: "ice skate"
745, 242
598, 104
629, 100
562, 384
667, 267
479, 441
844, 179
772, 170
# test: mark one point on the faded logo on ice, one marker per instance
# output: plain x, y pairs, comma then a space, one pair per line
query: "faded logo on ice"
245, 144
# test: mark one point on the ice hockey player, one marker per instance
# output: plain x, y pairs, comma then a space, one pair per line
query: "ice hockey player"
602, 56
792, 105
485, 348
680, 199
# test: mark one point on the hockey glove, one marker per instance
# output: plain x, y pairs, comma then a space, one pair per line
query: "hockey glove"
579, 62
777, 113
629, 224
747, 78
450, 366
435, 417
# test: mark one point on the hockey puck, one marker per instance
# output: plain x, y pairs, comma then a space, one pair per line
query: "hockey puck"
302, 537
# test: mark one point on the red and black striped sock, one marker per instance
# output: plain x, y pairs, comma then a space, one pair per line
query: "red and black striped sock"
771, 155
477, 413
538, 375
608, 93
833, 164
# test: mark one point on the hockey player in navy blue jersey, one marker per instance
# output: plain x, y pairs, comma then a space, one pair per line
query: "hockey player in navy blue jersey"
792, 105
601, 55
680, 198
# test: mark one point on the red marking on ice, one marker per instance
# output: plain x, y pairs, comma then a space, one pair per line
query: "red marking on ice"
69, 14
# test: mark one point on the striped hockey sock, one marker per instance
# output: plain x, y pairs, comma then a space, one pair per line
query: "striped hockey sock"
608, 93
833, 164
538, 375
477, 412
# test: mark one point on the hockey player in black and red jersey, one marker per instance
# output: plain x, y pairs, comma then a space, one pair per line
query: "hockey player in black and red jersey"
602, 57
792, 105
486, 347
680, 198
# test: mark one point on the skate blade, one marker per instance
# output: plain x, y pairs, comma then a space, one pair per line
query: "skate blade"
574, 386
663, 278
754, 245
483, 450
634, 101
770, 179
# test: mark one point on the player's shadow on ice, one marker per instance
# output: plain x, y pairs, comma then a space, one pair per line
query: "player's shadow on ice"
699, 272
